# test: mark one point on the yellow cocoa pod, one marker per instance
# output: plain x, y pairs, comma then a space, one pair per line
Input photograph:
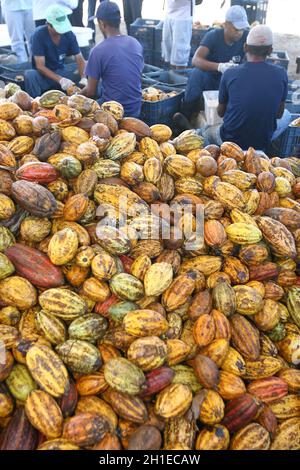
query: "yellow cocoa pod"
173, 401
161, 133
251, 437
74, 135
48, 370
211, 408
63, 246
145, 323
214, 438
158, 278
44, 413
248, 300
243, 233
18, 292
287, 435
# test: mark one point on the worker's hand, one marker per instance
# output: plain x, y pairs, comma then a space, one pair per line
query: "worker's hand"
66, 83
225, 66
83, 82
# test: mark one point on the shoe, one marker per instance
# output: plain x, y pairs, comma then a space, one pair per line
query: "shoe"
182, 122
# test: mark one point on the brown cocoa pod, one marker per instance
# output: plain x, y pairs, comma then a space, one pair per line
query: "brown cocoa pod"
85, 429
206, 371
145, 438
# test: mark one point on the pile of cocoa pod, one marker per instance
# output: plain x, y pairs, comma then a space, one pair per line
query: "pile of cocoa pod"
112, 338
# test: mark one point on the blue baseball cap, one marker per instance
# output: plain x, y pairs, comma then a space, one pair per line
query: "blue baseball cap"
238, 17
107, 11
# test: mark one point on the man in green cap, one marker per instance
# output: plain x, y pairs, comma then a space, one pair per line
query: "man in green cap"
51, 44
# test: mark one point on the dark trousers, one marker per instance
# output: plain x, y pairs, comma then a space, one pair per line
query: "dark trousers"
198, 82
132, 11
39, 23
76, 17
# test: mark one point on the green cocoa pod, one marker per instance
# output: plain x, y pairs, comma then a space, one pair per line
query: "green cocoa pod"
20, 382
124, 376
80, 356
88, 327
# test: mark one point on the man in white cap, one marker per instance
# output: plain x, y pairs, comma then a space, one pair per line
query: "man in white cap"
220, 49
252, 96
51, 44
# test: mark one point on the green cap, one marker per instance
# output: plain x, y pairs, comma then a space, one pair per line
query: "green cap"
56, 15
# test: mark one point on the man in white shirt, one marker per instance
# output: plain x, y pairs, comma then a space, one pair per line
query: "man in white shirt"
18, 17
40, 7
177, 32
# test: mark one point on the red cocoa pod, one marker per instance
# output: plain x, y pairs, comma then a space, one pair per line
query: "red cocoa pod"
127, 263
19, 434
263, 272
268, 389
157, 380
35, 266
103, 307
37, 172
68, 402
268, 420
240, 411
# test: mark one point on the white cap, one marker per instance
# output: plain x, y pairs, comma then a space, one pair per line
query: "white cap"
260, 35
238, 17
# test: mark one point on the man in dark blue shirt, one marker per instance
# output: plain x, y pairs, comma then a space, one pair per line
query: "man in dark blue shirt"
252, 97
51, 44
219, 50
117, 61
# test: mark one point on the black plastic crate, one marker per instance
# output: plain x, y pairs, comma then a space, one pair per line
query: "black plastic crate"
169, 78
161, 112
150, 69
143, 31
158, 36
149, 57
14, 73
256, 9
290, 140
279, 58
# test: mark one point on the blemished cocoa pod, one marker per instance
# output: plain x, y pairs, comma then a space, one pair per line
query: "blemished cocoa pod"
19, 434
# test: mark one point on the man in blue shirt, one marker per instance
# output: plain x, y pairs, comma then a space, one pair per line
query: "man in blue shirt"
51, 44
117, 61
220, 49
252, 97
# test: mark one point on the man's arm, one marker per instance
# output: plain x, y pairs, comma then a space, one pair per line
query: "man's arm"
41, 67
221, 109
223, 97
80, 64
199, 60
281, 110
91, 89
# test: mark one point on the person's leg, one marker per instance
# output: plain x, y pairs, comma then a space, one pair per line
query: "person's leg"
76, 16
181, 45
127, 14
167, 40
211, 135
28, 28
136, 9
36, 84
282, 124
14, 21
198, 82
91, 12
